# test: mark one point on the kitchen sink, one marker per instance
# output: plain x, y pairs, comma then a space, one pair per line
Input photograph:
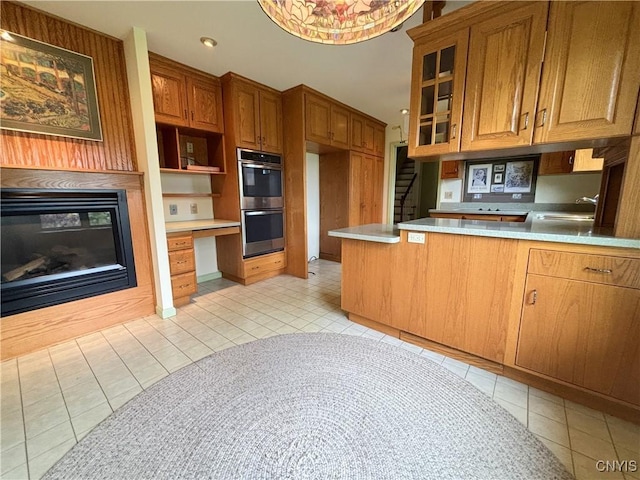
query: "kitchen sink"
572, 217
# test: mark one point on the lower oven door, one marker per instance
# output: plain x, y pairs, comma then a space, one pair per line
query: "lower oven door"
262, 232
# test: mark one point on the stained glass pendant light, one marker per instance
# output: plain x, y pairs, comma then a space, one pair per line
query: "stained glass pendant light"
339, 22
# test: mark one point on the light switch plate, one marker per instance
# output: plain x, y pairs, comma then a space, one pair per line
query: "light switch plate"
448, 195
173, 209
194, 208
415, 237
189, 147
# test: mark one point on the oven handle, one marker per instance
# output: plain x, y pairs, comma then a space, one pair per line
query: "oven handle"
263, 212
263, 166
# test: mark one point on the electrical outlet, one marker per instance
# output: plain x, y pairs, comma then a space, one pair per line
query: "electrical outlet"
448, 195
516, 196
415, 237
477, 196
194, 208
173, 209
189, 147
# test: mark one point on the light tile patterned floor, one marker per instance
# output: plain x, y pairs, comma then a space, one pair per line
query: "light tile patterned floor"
52, 398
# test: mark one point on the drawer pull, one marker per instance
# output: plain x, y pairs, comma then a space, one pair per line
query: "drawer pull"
181, 243
534, 297
255, 268
181, 262
185, 286
598, 270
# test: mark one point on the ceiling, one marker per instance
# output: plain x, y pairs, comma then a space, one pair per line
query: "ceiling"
373, 76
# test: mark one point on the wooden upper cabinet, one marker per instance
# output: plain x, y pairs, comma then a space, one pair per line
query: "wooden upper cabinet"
362, 133
591, 73
270, 122
503, 72
437, 90
326, 123
556, 162
379, 139
451, 169
258, 117
205, 101
365, 188
183, 98
169, 95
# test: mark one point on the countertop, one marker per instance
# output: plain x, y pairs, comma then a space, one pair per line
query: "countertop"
191, 225
476, 211
534, 228
374, 232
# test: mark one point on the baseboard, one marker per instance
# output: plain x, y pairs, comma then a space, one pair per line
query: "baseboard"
331, 257
166, 312
208, 276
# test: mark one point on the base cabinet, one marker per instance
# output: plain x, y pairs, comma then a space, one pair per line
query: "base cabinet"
182, 266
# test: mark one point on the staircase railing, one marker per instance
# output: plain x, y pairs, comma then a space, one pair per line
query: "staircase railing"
406, 194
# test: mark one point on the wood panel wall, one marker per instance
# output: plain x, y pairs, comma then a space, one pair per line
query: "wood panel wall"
30, 331
115, 152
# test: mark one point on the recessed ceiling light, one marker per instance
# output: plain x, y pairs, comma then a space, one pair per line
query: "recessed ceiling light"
208, 42
404, 111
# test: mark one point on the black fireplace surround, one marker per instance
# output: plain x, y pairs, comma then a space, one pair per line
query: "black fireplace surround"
63, 245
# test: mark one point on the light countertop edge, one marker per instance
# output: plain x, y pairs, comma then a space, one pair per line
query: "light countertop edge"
173, 227
375, 232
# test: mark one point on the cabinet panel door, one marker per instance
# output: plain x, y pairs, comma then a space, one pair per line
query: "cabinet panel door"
339, 127
591, 72
505, 57
556, 162
356, 164
169, 99
369, 135
586, 334
247, 113
357, 132
318, 120
271, 122
437, 92
205, 103
450, 169
466, 308
379, 141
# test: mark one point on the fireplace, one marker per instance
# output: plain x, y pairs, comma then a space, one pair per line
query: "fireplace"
63, 245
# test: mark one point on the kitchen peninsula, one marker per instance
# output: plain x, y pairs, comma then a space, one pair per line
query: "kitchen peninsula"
553, 303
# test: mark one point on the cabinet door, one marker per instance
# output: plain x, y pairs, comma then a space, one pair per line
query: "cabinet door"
437, 90
467, 308
358, 132
369, 136
318, 119
556, 162
339, 127
205, 104
247, 112
450, 169
271, 122
379, 136
169, 97
591, 71
503, 72
586, 334
356, 165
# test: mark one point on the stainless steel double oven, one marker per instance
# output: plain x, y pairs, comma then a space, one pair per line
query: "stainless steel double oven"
261, 202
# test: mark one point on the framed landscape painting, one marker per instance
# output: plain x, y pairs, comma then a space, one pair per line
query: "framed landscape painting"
46, 89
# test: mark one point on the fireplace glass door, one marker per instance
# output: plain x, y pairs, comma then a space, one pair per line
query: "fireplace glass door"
62, 245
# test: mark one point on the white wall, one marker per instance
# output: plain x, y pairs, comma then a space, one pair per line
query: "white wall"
313, 205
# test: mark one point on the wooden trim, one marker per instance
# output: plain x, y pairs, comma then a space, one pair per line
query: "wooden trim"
380, 327
627, 223
19, 177
232, 76
576, 394
331, 258
215, 232
190, 172
479, 362
69, 169
253, 278
173, 64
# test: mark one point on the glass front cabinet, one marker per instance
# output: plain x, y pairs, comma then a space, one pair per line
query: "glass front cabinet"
437, 90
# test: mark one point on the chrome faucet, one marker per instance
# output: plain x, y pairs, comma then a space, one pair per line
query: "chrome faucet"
593, 200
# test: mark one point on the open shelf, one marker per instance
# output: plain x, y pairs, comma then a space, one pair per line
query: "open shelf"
185, 195
181, 148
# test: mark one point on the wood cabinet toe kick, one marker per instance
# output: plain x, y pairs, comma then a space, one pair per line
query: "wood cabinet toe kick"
562, 317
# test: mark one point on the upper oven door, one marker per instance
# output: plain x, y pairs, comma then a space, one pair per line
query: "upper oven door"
260, 186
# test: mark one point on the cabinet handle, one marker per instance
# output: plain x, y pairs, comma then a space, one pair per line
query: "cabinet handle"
255, 268
181, 262
544, 117
571, 160
599, 270
192, 116
534, 297
526, 121
454, 130
185, 114
264, 140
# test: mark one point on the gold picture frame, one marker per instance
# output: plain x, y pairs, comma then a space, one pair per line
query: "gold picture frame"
47, 90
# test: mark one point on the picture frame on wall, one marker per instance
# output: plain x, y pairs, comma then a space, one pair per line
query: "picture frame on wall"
47, 90
518, 176
497, 178
479, 178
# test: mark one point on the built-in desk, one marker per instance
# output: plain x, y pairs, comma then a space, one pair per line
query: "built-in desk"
180, 244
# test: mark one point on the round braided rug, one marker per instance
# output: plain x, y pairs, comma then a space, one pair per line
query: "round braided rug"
311, 406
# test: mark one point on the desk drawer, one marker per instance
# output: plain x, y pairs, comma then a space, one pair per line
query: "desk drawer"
181, 261
184, 284
609, 270
266, 263
180, 242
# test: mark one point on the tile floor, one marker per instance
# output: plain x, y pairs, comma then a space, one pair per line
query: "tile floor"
52, 398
